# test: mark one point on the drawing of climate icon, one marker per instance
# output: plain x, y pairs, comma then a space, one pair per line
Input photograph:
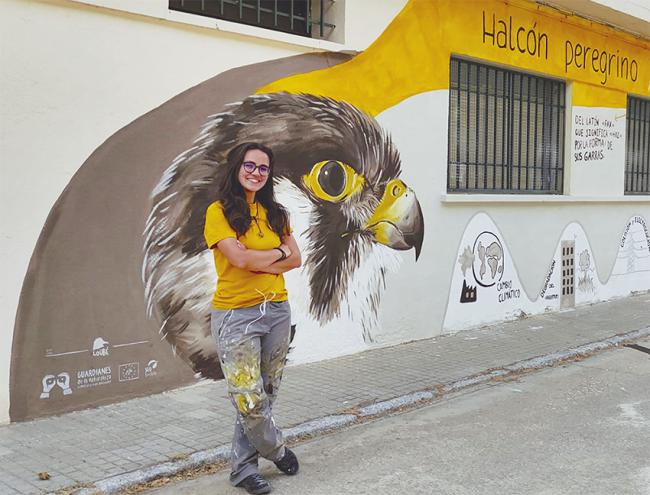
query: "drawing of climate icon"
62, 380
488, 259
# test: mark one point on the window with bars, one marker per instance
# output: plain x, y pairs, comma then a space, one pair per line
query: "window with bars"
301, 17
506, 131
637, 148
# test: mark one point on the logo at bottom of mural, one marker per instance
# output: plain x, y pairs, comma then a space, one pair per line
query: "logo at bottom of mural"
129, 371
62, 381
94, 377
100, 347
151, 369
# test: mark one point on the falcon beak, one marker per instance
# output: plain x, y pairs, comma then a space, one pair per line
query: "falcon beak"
397, 221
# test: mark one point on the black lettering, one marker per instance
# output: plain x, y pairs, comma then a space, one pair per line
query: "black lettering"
634, 70
603, 66
568, 50
577, 54
542, 37
485, 33
528, 37
624, 67
520, 30
594, 59
504, 34
512, 48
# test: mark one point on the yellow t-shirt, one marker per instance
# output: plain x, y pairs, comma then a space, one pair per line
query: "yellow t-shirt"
237, 287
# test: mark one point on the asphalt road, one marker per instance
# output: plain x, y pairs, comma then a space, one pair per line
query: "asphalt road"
583, 428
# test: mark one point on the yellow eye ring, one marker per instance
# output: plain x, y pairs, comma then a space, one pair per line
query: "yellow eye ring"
333, 181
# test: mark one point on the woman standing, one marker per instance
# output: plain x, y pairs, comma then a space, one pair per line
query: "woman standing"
249, 234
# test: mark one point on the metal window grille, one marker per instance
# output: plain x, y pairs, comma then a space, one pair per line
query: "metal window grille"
637, 149
289, 16
506, 131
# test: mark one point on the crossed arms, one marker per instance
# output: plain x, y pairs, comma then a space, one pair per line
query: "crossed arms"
265, 261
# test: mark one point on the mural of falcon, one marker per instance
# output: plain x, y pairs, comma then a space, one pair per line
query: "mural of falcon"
341, 170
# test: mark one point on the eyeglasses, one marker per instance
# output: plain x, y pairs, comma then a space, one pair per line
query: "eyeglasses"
250, 167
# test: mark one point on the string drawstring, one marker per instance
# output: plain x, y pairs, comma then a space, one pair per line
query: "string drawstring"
262, 308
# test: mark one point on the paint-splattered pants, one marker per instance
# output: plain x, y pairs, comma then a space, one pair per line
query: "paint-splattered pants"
253, 344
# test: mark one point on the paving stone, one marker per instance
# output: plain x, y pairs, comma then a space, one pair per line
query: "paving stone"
123, 437
7, 490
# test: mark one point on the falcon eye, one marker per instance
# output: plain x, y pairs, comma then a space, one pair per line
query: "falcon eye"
331, 178
333, 181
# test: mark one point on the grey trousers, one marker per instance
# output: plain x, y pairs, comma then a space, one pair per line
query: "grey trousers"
252, 345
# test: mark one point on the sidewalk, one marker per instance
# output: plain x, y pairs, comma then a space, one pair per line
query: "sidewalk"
163, 433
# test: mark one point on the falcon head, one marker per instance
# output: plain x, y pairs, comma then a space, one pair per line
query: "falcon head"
336, 158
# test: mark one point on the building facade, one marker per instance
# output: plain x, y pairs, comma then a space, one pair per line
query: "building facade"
446, 165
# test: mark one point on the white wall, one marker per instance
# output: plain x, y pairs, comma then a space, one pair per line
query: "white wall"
358, 22
359, 32
530, 229
73, 73
596, 142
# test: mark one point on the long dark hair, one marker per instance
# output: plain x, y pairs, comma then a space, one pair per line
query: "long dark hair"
233, 196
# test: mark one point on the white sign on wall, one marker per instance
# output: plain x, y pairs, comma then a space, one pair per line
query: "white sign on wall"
597, 147
596, 137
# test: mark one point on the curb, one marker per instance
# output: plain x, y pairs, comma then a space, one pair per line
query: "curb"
334, 422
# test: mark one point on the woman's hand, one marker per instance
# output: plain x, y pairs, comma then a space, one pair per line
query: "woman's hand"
261, 261
286, 250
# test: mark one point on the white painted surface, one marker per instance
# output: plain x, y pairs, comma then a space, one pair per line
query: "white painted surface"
538, 198
358, 22
72, 76
597, 142
484, 267
631, 271
312, 341
635, 8
503, 301
420, 296
629, 15
73, 73
359, 33
61, 98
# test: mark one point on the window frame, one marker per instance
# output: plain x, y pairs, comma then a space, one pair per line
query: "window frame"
314, 29
637, 147
550, 146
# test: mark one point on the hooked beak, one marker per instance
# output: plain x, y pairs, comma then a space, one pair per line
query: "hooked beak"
397, 221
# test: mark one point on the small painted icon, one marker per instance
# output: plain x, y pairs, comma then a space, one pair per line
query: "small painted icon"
151, 368
62, 380
129, 371
468, 293
100, 347
489, 260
